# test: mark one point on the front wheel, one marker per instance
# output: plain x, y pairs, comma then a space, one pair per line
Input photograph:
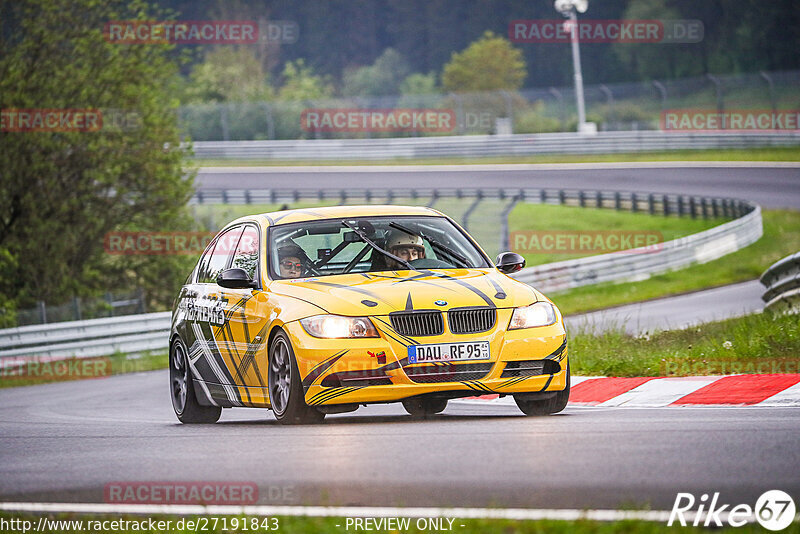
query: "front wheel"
552, 405
285, 385
424, 407
184, 400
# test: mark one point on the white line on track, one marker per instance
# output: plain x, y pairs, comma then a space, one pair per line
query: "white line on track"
499, 167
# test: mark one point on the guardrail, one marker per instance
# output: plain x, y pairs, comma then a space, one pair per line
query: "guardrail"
83, 339
138, 333
486, 145
782, 281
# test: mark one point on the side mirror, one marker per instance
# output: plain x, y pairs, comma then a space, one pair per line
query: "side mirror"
235, 278
509, 262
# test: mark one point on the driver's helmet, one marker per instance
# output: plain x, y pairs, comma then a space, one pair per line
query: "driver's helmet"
291, 249
402, 239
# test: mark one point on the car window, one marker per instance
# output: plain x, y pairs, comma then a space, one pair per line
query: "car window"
202, 265
246, 256
331, 247
223, 250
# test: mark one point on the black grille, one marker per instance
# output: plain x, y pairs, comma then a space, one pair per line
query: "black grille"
418, 323
369, 377
449, 372
530, 368
470, 321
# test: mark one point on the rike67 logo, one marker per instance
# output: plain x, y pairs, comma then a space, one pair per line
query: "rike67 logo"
774, 510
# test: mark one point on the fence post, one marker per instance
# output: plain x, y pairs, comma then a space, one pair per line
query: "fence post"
270, 120
766, 77
76, 308
42, 311
459, 112
140, 294
662, 91
720, 101
110, 302
509, 108
505, 242
434, 198
223, 119
470, 209
609, 100
561, 110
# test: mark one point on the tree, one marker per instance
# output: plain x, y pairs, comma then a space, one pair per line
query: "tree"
62, 191
228, 74
381, 78
419, 84
488, 64
300, 83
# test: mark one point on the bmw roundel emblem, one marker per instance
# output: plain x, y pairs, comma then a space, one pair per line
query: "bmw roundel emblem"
440, 302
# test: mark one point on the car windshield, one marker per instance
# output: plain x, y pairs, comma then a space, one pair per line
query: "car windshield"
369, 244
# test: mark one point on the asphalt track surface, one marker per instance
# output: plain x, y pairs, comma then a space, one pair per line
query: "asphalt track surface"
772, 185
64, 442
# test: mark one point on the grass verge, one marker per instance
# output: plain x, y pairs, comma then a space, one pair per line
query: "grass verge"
756, 154
327, 525
547, 218
755, 344
781, 238
32, 370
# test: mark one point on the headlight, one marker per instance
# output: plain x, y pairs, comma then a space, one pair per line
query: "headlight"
537, 314
337, 326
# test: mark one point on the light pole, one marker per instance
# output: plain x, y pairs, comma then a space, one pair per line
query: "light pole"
570, 9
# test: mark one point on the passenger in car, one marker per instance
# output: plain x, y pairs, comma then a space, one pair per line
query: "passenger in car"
290, 261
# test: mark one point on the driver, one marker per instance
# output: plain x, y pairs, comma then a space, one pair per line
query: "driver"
405, 246
290, 263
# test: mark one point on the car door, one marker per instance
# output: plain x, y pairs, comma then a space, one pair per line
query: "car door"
243, 336
209, 354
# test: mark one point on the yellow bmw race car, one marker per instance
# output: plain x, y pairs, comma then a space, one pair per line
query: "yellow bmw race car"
316, 311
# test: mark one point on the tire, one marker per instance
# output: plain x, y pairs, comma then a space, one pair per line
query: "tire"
549, 406
424, 407
285, 385
184, 400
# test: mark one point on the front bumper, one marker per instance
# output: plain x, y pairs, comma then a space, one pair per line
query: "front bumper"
343, 371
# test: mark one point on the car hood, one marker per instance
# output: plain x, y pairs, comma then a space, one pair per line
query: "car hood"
385, 292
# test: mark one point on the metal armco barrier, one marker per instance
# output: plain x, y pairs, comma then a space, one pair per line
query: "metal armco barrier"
486, 145
782, 281
83, 339
138, 333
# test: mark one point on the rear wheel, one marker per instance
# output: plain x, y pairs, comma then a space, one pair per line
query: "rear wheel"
285, 387
548, 406
424, 407
184, 400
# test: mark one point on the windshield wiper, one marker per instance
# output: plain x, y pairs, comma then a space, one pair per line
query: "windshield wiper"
435, 244
371, 243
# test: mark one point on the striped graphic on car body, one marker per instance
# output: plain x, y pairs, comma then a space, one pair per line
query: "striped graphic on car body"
329, 394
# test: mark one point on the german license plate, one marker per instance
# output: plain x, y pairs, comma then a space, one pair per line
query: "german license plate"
449, 352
